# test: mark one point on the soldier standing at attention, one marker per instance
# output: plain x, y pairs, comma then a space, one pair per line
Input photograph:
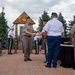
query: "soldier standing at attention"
27, 39
10, 40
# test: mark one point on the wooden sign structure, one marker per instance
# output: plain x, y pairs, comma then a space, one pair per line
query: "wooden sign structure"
20, 20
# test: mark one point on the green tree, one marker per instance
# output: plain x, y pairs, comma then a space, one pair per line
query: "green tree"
43, 17
3, 27
61, 18
70, 25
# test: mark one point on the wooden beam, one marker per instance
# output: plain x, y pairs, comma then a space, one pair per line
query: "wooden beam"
16, 38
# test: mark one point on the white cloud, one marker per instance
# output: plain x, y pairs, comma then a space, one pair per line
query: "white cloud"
66, 8
11, 14
9, 0
34, 8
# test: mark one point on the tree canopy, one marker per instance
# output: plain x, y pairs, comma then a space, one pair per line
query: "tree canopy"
61, 18
3, 27
43, 17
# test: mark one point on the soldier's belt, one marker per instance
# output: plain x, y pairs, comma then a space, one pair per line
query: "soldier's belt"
27, 35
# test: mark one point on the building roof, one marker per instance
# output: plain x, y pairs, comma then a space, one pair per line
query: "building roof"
22, 19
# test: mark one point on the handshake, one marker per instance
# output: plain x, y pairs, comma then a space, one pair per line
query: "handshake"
38, 33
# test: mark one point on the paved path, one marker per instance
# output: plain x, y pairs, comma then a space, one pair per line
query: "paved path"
15, 65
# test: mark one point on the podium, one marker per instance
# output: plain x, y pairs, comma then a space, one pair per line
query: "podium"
67, 55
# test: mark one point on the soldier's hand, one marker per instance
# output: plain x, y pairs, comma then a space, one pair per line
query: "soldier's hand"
45, 40
33, 34
40, 33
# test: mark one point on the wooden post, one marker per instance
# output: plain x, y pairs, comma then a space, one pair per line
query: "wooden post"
16, 38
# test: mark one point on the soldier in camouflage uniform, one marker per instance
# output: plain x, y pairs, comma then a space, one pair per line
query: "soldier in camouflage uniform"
27, 39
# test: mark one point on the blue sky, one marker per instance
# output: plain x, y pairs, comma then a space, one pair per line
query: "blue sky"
34, 8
